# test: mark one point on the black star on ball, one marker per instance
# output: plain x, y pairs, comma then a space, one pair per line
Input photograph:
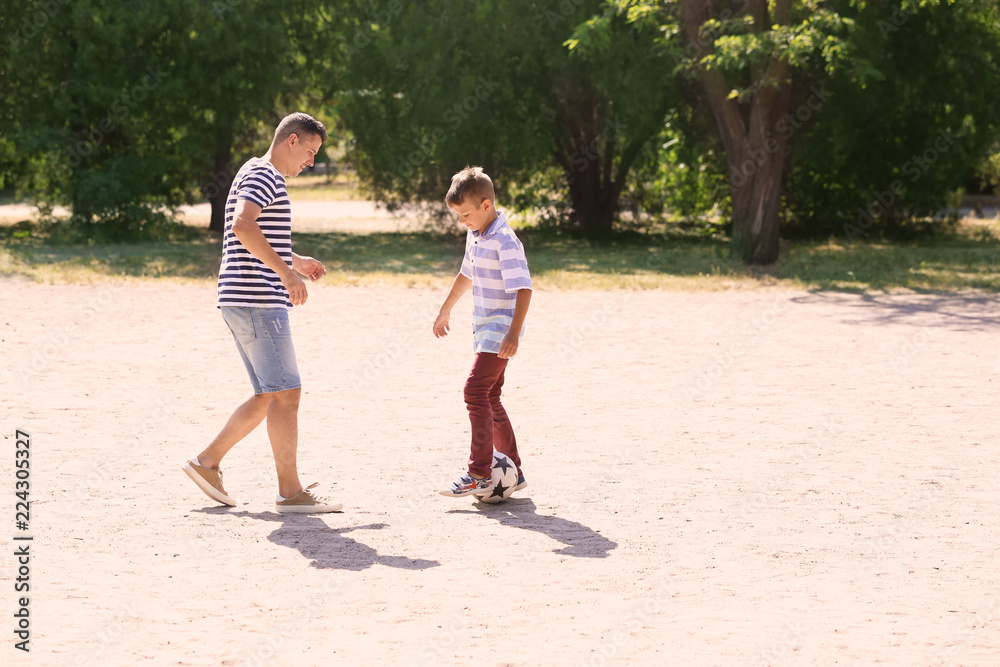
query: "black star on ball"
501, 462
498, 491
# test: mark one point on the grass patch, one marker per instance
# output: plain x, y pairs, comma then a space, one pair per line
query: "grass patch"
967, 259
340, 187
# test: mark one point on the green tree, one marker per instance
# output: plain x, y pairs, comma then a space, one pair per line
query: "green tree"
246, 65
240, 70
438, 85
122, 107
754, 62
88, 82
894, 148
769, 72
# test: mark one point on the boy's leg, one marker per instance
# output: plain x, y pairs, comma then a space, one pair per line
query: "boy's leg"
503, 433
486, 369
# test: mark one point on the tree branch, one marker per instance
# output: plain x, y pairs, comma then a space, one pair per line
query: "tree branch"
985, 65
732, 128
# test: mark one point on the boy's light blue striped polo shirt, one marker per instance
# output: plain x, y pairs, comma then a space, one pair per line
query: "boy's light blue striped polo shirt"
495, 261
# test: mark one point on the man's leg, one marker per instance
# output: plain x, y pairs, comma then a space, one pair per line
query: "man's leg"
283, 430
243, 420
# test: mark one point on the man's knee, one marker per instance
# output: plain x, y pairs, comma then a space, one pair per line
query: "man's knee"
287, 398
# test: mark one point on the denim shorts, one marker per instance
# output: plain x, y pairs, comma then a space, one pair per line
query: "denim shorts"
264, 340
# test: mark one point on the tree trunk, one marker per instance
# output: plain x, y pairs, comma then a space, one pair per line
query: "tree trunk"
217, 190
756, 211
755, 177
594, 200
585, 145
751, 135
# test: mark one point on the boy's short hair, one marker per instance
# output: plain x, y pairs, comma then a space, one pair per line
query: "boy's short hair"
301, 124
470, 182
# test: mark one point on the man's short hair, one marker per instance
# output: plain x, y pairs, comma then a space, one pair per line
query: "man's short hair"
470, 182
300, 124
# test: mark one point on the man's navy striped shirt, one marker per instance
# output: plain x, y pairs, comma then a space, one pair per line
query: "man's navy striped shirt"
244, 280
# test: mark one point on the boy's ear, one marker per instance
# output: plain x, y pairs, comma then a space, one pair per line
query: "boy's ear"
486, 205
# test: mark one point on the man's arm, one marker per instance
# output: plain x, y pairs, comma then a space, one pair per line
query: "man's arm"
458, 288
248, 232
309, 267
508, 347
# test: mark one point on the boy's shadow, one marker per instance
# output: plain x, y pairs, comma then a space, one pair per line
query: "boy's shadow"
327, 547
580, 541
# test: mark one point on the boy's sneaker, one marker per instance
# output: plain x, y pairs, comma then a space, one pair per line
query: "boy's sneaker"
521, 483
468, 485
209, 481
306, 503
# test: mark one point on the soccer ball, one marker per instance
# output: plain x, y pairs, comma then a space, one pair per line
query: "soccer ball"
504, 479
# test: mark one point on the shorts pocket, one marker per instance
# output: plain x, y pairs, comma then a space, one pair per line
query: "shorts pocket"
240, 322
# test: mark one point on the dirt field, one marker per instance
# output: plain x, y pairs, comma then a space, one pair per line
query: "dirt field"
715, 478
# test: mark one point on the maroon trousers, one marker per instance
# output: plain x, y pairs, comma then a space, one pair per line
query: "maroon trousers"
491, 428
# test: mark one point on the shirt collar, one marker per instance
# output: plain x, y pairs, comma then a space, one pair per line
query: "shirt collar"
493, 227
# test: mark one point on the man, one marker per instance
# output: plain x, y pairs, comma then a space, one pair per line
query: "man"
258, 284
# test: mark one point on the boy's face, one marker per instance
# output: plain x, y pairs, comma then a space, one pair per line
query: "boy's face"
475, 217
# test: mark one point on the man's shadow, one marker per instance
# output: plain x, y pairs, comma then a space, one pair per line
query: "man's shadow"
327, 547
580, 541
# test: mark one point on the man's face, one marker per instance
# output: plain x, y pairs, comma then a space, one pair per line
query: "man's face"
302, 151
475, 217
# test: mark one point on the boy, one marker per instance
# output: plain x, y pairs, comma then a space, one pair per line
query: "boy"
496, 269
258, 284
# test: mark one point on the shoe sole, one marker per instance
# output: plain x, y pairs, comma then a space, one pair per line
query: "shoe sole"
308, 509
474, 492
209, 490
520, 486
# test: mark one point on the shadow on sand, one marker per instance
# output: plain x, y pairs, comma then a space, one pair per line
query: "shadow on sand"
327, 547
580, 541
962, 312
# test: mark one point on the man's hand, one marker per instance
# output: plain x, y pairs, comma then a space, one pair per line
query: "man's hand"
297, 292
309, 267
441, 324
508, 346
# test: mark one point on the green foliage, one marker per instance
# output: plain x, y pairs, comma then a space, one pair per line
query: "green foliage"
448, 83
124, 109
680, 179
436, 87
125, 223
119, 108
892, 149
989, 171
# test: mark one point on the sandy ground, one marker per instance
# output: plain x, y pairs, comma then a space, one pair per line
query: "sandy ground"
729, 478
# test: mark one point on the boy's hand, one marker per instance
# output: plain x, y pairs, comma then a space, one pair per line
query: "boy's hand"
508, 346
441, 325
309, 267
